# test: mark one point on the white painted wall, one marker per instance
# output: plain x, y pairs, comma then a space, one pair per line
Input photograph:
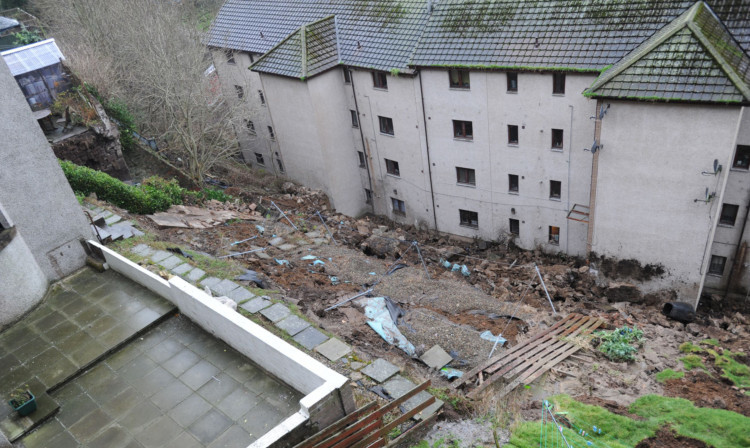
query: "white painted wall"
23, 282
650, 175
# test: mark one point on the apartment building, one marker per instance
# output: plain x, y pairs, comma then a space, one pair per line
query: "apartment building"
614, 128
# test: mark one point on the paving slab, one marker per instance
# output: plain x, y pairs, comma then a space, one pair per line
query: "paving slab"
436, 357
170, 262
195, 275
113, 219
256, 305
182, 269
276, 312
292, 324
240, 294
224, 287
278, 241
210, 281
287, 246
333, 349
398, 386
380, 370
160, 255
142, 250
262, 255
15, 426
310, 338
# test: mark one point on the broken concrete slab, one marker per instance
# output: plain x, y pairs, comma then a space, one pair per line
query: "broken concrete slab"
256, 305
210, 281
262, 255
195, 275
436, 357
142, 250
333, 349
310, 338
224, 287
240, 294
278, 241
380, 370
287, 246
355, 365
292, 324
276, 312
320, 241
113, 219
160, 255
181, 269
398, 386
170, 262
185, 216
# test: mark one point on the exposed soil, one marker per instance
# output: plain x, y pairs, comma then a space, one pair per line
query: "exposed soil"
666, 438
708, 392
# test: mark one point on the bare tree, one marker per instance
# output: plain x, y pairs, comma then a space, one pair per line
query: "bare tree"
150, 54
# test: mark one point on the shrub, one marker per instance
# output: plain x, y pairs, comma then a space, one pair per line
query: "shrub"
617, 344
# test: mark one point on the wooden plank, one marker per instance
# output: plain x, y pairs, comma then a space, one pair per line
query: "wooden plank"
473, 372
427, 421
355, 428
335, 427
383, 432
361, 434
399, 401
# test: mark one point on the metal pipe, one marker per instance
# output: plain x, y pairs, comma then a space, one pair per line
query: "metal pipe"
284, 215
348, 300
326, 226
365, 147
243, 253
545, 288
427, 149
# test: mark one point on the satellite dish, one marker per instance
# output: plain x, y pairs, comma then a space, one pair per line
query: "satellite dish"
594, 147
707, 197
716, 165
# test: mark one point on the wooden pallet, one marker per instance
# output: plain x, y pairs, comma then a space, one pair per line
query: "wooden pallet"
528, 361
367, 427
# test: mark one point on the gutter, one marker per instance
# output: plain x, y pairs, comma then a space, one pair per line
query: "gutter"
427, 148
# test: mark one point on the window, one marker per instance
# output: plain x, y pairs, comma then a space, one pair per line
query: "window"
557, 139
250, 127
465, 176
554, 235
512, 82
259, 159
558, 83
398, 206
230, 57
729, 214
513, 183
368, 196
355, 119
240, 92
459, 79
469, 218
379, 80
555, 188
391, 167
742, 157
280, 165
512, 134
386, 125
463, 129
262, 97
271, 134
515, 227
347, 76
361, 156
717, 265
252, 59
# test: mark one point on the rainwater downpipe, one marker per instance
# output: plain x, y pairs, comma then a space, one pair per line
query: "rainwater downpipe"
368, 159
427, 148
570, 152
731, 279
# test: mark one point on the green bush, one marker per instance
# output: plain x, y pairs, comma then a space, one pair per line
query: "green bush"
617, 345
143, 200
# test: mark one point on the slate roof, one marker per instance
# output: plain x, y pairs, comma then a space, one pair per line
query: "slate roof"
694, 58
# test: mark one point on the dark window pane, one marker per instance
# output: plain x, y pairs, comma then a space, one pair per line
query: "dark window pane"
463, 129
742, 157
717, 265
386, 125
355, 119
513, 183
468, 218
558, 83
515, 227
465, 176
379, 80
459, 79
240, 91
361, 156
554, 235
391, 167
512, 134
729, 214
557, 138
259, 159
512, 82
555, 188
230, 57
347, 75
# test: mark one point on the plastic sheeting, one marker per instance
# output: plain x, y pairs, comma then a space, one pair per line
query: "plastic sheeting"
377, 310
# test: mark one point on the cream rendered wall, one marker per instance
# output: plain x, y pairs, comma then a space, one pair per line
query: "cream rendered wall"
249, 108
649, 176
536, 111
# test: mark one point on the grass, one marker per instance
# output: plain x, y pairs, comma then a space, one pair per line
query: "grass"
693, 362
733, 370
689, 347
716, 427
669, 374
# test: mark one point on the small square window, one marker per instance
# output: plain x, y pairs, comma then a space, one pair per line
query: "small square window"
554, 235
262, 97
355, 119
463, 130
466, 176
558, 83
379, 80
347, 76
368, 196
717, 265
399, 207
742, 157
555, 189
240, 91
729, 214
512, 134
259, 159
391, 167
250, 127
459, 79
386, 125
361, 157
512, 82
271, 134
230, 57
513, 183
280, 165
468, 218
557, 139
515, 227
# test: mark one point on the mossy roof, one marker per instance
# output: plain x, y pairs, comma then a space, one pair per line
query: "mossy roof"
694, 58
